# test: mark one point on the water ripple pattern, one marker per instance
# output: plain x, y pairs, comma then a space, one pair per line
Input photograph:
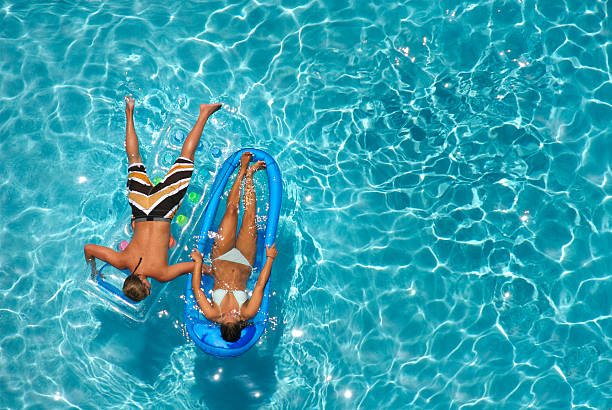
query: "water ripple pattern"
446, 234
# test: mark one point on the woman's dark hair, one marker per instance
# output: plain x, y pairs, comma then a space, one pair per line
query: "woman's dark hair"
134, 289
230, 332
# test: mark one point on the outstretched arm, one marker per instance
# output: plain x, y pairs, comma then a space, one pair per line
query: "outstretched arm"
175, 270
254, 303
180, 269
196, 278
105, 254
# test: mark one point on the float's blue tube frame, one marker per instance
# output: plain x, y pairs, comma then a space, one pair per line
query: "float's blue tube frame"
206, 334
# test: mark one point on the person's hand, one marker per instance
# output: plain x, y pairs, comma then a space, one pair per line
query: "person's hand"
271, 251
196, 255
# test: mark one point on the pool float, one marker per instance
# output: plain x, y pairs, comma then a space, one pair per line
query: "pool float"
205, 333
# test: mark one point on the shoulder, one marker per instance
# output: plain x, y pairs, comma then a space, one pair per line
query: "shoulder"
160, 275
209, 309
250, 308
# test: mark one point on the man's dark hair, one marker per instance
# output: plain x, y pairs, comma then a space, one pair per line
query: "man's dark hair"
230, 332
134, 289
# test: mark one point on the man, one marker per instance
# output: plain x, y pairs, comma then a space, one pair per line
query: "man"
153, 208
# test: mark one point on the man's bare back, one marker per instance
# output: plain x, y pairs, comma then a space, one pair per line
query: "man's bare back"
148, 250
150, 242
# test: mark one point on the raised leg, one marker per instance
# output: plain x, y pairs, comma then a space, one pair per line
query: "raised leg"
131, 140
193, 138
226, 234
247, 237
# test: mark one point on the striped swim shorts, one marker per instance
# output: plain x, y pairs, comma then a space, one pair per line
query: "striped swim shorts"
158, 202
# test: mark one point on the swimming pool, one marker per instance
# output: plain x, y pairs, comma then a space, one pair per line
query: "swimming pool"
445, 236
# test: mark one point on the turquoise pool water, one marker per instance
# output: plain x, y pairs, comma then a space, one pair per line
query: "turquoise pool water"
446, 233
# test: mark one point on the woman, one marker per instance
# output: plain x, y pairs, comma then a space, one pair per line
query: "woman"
232, 260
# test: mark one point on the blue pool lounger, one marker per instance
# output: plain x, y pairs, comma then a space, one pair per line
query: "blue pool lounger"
207, 334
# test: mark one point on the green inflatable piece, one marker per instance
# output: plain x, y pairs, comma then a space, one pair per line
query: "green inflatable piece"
194, 197
181, 220
157, 180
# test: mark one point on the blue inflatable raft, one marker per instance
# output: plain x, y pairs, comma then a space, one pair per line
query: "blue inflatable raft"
207, 334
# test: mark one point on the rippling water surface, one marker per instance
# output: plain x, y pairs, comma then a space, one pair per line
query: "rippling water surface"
446, 233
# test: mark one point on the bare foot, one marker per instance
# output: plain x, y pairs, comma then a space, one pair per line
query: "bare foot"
256, 167
129, 103
209, 109
244, 160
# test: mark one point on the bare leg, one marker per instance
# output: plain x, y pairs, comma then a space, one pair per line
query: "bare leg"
131, 140
247, 237
193, 138
226, 234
